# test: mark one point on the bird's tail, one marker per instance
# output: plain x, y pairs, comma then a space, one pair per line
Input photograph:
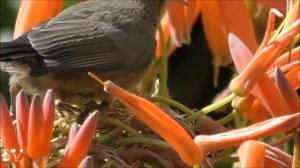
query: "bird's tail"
16, 49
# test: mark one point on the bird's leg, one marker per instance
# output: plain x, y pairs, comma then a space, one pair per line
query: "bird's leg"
13, 90
90, 107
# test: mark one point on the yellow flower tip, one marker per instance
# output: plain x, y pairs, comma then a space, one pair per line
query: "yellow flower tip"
96, 78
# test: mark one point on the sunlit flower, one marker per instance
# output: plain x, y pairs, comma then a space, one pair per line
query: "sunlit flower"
158, 121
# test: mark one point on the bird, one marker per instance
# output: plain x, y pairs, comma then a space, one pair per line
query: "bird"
114, 39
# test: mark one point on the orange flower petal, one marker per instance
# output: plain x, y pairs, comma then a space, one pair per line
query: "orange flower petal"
216, 38
72, 133
22, 111
270, 28
7, 130
87, 162
293, 77
178, 22
275, 157
235, 137
159, 122
264, 89
79, 146
288, 57
252, 154
286, 91
35, 129
269, 96
256, 113
33, 12
241, 25
242, 84
192, 9
48, 115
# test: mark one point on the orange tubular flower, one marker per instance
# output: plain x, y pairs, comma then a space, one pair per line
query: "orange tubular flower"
293, 77
77, 147
8, 135
265, 88
159, 122
243, 83
87, 162
48, 118
22, 113
178, 22
33, 12
217, 22
252, 154
35, 129
235, 137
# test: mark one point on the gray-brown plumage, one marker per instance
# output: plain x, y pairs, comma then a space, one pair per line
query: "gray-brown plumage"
113, 38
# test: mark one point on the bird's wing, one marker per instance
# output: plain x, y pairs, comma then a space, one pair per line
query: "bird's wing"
92, 38
74, 45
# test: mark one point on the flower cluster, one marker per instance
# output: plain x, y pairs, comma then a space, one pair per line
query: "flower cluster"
30, 144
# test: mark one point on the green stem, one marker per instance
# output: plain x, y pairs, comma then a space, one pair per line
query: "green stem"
296, 149
107, 136
163, 75
210, 108
120, 124
144, 141
172, 103
107, 164
227, 118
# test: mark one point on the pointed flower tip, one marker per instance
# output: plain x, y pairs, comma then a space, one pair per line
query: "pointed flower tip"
87, 162
159, 122
77, 147
49, 93
35, 146
93, 117
276, 12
